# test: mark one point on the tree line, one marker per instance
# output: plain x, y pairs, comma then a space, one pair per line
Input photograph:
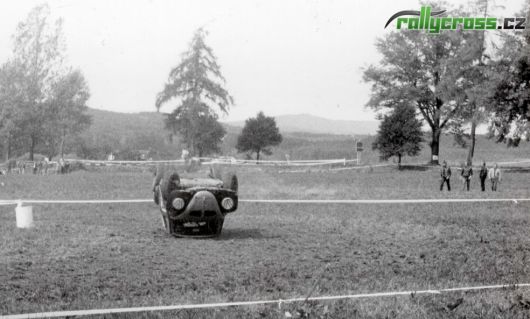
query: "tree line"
42, 100
454, 81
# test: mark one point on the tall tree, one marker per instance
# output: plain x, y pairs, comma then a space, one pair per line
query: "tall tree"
197, 86
66, 111
258, 135
399, 134
511, 121
476, 81
38, 51
419, 68
210, 137
11, 98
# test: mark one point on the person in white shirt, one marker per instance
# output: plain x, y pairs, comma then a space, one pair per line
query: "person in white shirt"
495, 176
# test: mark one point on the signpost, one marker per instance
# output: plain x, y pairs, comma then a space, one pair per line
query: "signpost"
359, 151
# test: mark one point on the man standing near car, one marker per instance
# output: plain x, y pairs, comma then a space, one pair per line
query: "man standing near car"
445, 174
483, 174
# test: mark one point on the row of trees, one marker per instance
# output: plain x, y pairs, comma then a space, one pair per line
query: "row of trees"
42, 101
456, 80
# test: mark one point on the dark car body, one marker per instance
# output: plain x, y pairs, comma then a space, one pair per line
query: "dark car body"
195, 208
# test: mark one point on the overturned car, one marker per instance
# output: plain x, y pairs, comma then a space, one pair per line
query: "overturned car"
195, 207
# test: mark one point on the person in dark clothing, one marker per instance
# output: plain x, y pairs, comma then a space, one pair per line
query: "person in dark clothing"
483, 175
445, 174
467, 172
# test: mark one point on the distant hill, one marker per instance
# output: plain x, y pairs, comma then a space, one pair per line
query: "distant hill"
123, 125
304, 137
319, 125
299, 123
129, 122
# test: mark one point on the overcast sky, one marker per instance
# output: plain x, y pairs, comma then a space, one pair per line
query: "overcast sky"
282, 57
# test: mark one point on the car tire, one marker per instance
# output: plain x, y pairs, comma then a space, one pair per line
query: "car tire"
230, 182
216, 172
169, 182
219, 227
163, 213
165, 224
156, 192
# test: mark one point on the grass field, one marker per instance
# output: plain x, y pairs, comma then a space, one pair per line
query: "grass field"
97, 256
308, 146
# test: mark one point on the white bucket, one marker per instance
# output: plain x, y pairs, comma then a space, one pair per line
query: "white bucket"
24, 216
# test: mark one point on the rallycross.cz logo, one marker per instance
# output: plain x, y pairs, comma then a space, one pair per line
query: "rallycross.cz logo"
431, 22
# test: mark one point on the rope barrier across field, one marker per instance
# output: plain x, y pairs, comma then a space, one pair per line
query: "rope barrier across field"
278, 201
338, 169
279, 302
323, 165
207, 160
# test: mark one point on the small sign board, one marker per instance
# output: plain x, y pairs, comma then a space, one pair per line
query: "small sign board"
359, 146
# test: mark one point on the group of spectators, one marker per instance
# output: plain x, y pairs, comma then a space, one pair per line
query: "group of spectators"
41, 167
466, 172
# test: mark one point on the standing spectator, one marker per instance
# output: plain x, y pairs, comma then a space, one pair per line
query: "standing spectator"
11, 165
45, 165
445, 174
67, 167
467, 172
21, 167
61, 166
185, 156
483, 175
494, 174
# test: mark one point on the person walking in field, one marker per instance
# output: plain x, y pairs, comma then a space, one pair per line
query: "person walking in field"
445, 174
483, 175
494, 174
467, 172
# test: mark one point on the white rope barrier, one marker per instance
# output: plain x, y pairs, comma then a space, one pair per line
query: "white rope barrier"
266, 163
383, 201
515, 162
123, 162
89, 312
337, 169
214, 160
208, 160
279, 201
291, 161
343, 162
282, 163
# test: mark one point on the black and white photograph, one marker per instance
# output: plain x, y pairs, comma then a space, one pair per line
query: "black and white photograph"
264, 159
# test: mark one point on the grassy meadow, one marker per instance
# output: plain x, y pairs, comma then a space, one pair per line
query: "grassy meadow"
321, 146
116, 255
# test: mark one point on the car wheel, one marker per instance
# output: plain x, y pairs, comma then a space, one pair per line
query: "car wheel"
156, 191
163, 213
164, 222
169, 183
230, 182
219, 227
216, 172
